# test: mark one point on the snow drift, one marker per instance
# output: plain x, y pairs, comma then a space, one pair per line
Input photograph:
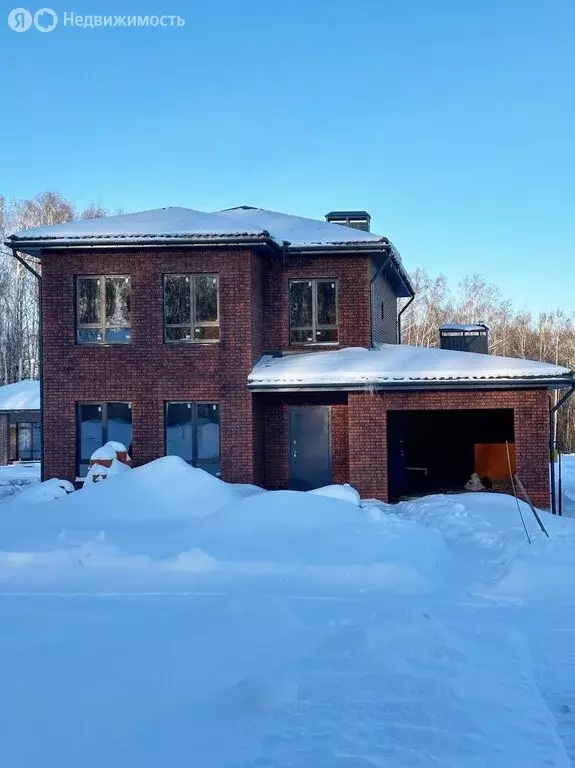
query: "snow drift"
165, 616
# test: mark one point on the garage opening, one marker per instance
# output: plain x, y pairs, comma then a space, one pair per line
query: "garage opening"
438, 451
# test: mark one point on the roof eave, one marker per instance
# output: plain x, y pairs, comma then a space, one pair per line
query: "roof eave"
36, 246
369, 247
550, 383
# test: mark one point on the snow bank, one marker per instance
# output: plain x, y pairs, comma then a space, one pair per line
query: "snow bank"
166, 614
293, 535
15, 477
49, 490
164, 488
23, 395
343, 492
568, 483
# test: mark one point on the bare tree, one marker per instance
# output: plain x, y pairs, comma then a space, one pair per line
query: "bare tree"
19, 321
549, 336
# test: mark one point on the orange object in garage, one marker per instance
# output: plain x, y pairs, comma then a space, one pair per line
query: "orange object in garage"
491, 460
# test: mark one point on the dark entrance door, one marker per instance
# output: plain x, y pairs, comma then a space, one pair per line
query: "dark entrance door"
309, 447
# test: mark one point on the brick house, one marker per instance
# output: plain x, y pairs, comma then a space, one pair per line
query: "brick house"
20, 433
222, 338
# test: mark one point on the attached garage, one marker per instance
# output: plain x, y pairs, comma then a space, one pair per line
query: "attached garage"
400, 421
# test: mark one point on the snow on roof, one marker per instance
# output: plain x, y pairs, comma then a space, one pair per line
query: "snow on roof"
393, 364
21, 396
463, 327
244, 223
159, 223
188, 223
300, 232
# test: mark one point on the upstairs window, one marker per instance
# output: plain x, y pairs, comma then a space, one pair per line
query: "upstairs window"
193, 433
191, 308
103, 310
313, 312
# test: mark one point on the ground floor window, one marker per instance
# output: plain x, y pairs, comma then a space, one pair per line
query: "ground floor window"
97, 424
193, 433
25, 441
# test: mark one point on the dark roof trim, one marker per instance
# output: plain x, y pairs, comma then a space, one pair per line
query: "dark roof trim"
35, 247
550, 383
348, 214
375, 248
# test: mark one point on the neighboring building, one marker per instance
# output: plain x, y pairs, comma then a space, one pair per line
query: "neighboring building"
221, 337
20, 431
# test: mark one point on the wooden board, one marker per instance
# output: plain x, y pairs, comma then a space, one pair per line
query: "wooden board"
491, 460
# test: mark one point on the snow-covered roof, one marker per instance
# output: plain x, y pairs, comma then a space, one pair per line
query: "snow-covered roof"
392, 365
145, 225
21, 396
463, 327
244, 224
298, 231
186, 223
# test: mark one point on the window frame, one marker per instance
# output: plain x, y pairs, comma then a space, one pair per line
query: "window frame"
35, 430
315, 326
104, 420
193, 324
101, 326
194, 420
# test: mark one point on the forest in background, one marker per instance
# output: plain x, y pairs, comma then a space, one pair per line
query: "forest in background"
546, 336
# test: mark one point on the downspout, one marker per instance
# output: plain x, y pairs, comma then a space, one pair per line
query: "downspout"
402, 310
380, 270
552, 438
38, 277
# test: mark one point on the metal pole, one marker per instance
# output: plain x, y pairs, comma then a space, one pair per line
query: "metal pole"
515, 491
552, 460
401, 311
560, 491
552, 411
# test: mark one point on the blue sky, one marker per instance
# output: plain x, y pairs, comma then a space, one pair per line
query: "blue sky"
451, 122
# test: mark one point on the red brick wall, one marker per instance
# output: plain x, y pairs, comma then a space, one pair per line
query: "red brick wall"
275, 409
253, 318
352, 275
148, 372
368, 445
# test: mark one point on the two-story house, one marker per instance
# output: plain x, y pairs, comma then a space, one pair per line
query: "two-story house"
264, 347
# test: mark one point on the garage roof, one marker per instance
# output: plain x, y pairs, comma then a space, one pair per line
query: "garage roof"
403, 366
21, 396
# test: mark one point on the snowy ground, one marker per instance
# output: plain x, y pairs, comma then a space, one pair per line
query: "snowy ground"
166, 618
16, 477
568, 473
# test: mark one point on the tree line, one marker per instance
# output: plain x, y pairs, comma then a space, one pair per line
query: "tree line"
546, 336
19, 337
